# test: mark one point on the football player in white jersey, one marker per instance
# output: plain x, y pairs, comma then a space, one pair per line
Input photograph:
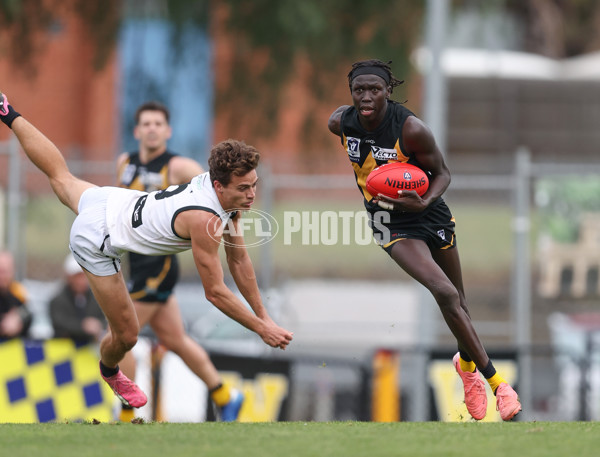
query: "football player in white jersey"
233, 181
152, 279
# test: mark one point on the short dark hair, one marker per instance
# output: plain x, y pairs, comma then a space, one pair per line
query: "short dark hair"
231, 157
375, 63
151, 106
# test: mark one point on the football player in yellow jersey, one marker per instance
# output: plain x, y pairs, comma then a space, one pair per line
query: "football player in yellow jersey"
419, 232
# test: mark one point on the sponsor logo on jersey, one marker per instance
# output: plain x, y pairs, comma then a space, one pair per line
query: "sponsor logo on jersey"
136, 217
383, 153
353, 147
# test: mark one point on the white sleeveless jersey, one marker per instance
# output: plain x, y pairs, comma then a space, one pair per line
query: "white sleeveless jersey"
145, 222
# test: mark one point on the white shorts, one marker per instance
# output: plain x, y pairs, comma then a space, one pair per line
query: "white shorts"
90, 240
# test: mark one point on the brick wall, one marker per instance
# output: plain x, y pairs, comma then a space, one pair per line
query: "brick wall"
73, 104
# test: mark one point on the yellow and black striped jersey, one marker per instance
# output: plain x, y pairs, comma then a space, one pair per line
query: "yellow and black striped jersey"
147, 177
369, 149
151, 278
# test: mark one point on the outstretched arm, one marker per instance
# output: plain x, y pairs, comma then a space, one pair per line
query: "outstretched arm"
202, 230
242, 270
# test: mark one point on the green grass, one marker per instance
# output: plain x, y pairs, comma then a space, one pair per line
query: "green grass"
304, 439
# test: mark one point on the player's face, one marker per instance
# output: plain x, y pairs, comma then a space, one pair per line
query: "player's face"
152, 130
369, 95
239, 193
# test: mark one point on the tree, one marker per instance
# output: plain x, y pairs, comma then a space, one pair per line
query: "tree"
24, 22
268, 38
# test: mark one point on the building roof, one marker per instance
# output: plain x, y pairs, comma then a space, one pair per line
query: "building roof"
481, 63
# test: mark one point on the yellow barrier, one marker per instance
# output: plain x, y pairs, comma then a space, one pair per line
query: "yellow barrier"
386, 387
264, 395
53, 380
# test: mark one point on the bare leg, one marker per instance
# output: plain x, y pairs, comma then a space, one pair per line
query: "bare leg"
414, 257
144, 312
449, 262
46, 156
110, 291
168, 326
128, 364
113, 298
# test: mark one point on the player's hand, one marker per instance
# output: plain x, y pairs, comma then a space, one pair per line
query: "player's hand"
274, 335
408, 201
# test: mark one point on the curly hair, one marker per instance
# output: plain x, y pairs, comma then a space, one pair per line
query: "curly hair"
375, 63
151, 106
231, 157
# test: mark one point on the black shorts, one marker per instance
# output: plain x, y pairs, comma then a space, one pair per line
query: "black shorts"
152, 278
435, 226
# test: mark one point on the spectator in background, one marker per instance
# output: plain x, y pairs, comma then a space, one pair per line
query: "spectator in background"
15, 317
74, 311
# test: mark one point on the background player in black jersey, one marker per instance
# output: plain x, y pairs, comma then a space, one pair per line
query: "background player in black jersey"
420, 232
152, 279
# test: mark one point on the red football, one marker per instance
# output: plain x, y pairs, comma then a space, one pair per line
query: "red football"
389, 178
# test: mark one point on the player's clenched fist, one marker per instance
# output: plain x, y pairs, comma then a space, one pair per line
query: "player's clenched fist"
275, 336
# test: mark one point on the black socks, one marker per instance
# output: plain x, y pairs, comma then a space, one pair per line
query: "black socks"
107, 372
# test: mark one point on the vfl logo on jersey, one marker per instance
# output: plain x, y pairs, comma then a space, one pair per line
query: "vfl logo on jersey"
383, 153
128, 175
353, 148
442, 234
148, 180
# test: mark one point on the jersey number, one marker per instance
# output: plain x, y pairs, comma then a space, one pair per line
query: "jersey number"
169, 193
136, 217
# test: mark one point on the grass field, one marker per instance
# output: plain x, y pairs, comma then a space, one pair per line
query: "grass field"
303, 439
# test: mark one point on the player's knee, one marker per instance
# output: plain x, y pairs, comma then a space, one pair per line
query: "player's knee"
128, 340
446, 296
174, 342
